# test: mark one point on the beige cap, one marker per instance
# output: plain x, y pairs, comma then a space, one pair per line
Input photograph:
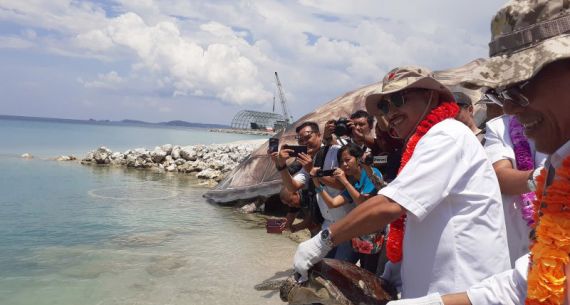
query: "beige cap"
405, 78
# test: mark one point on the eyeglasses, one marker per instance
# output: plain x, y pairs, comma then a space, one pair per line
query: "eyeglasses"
305, 137
512, 94
397, 100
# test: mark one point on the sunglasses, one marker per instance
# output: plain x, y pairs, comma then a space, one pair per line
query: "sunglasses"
301, 139
512, 94
397, 100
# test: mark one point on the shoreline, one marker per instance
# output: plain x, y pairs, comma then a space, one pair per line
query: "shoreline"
210, 163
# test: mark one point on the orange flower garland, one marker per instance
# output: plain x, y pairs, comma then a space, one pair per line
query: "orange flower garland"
551, 246
394, 243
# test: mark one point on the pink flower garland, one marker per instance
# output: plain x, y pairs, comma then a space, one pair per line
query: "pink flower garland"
524, 161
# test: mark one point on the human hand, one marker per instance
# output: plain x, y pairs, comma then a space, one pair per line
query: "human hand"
306, 160
339, 174
283, 155
314, 171
308, 254
431, 299
329, 129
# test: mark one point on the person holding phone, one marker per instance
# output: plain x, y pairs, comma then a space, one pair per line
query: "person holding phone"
360, 182
308, 134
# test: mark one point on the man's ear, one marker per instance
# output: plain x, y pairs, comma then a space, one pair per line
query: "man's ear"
471, 109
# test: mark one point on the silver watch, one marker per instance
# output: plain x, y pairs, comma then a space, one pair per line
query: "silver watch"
327, 238
530, 181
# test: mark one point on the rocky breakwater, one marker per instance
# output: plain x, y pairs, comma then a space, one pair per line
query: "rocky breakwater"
208, 162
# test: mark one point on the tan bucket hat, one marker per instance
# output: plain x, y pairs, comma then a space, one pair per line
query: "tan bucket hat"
401, 78
526, 36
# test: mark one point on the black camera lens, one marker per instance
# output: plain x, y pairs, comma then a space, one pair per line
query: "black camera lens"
341, 127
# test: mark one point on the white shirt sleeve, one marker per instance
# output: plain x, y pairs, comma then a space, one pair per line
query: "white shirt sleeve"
498, 145
506, 288
438, 158
302, 176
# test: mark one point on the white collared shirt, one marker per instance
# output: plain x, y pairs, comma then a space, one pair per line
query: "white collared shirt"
455, 230
498, 146
510, 287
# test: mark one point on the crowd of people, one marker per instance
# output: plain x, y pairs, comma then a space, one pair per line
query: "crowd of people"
447, 211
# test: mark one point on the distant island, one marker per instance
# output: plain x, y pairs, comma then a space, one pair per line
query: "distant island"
176, 123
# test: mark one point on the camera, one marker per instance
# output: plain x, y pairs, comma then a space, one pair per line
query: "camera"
341, 127
325, 173
296, 149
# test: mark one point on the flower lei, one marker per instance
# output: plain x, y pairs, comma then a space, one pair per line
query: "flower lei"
551, 243
397, 227
524, 161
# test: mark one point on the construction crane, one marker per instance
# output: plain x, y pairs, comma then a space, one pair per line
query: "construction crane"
288, 119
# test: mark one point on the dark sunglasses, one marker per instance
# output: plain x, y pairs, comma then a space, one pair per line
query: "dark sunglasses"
397, 100
301, 139
512, 94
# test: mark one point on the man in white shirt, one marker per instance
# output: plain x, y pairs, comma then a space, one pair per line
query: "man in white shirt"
513, 181
531, 77
454, 232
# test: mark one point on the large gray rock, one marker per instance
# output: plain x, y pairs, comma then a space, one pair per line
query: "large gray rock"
167, 148
189, 153
117, 155
66, 158
210, 174
175, 152
158, 155
101, 155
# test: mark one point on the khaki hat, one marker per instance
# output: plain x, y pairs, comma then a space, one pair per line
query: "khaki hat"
405, 78
526, 36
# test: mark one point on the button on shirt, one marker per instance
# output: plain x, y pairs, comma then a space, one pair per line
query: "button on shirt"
498, 146
455, 230
330, 215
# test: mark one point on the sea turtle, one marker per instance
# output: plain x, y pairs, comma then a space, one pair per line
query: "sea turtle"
333, 282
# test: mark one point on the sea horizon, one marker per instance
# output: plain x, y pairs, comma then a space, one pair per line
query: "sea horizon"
49, 139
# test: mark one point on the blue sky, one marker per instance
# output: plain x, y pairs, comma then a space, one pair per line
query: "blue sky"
203, 61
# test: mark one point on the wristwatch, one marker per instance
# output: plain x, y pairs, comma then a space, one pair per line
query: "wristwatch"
327, 238
530, 182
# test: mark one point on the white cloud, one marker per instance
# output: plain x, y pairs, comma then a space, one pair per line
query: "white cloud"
228, 50
111, 80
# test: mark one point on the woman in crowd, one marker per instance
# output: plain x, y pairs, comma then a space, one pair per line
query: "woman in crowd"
361, 182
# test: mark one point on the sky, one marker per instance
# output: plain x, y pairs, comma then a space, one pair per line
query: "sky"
203, 61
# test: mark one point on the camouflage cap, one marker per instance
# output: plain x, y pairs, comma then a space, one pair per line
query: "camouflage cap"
526, 36
402, 78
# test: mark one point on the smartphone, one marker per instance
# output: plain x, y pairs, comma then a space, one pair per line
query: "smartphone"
297, 149
273, 145
326, 172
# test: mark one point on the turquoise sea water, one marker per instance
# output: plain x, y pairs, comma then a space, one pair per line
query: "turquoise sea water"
73, 234
50, 139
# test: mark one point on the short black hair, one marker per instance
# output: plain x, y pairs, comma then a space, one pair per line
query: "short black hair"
353, 149
363, 114
314, 126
